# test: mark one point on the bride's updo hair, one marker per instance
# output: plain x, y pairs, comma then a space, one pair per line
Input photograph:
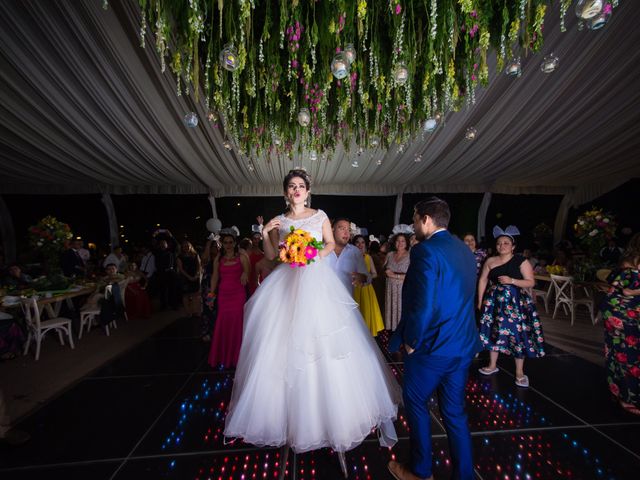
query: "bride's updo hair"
299, 173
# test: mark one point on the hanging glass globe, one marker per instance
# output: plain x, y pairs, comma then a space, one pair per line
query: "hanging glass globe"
375, 142
417, 158
430, 125
401, 73
229, 57
549, 63
276, 140
304, 117
379, 161
340, 65
600, 20
360, 151
313, 155
355, 164
471, 134
227, 144
251, 167
588, 9
350, 52
212, 116
191, 120
513, 68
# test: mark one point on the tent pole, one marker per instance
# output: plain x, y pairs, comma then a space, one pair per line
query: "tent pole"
212, 201
113, 221
7, 232
560, 225
482, 217
398, 210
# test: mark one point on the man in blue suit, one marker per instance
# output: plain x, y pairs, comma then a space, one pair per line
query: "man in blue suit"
438, 336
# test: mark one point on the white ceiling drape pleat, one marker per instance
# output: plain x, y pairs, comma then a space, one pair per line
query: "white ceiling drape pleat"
84, 109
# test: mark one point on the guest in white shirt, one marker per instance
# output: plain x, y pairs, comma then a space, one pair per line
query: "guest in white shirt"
118, 258
148, 263
346, 260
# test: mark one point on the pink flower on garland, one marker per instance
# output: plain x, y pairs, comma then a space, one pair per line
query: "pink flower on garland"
398, 9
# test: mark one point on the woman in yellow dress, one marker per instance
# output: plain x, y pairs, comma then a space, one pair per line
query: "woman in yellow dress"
365, 295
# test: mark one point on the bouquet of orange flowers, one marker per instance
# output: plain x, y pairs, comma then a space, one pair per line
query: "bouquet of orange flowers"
299, 248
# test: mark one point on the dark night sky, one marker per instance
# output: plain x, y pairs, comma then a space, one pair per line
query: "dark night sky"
185, 215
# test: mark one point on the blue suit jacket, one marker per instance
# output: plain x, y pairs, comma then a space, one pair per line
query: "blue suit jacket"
438, 300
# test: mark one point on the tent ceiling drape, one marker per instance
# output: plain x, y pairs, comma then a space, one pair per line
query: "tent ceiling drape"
84, 109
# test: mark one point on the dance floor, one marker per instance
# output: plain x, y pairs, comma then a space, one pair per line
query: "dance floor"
157, 412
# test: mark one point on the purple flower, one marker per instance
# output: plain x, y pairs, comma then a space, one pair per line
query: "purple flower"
398, 9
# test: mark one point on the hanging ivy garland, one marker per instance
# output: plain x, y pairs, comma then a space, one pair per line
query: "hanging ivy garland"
414, 60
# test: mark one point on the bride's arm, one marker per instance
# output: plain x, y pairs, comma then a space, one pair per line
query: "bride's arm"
327, 236
270, 238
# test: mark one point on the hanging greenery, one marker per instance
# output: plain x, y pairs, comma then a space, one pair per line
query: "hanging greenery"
371, 70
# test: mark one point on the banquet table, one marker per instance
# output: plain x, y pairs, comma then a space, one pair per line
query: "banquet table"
51, 303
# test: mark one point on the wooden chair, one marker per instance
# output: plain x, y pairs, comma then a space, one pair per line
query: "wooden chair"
567, 297
38, 328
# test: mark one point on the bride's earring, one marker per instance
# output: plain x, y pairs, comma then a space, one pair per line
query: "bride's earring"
307, 202
286, 202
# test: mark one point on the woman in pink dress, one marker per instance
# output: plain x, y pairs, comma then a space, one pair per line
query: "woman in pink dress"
255, 255
230, 275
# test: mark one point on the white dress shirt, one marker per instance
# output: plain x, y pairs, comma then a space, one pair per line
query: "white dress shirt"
350, 260
148, 264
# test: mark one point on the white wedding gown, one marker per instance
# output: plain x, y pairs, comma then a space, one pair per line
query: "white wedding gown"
310, 374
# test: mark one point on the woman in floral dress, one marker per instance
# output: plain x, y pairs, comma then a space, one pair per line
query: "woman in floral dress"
396, 268
621, 314
509, 321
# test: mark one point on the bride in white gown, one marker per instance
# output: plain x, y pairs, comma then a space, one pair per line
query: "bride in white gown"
309, 374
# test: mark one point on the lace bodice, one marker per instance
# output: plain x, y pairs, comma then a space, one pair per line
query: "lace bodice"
312, 224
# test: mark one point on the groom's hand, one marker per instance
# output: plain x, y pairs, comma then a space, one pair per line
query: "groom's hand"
409, 350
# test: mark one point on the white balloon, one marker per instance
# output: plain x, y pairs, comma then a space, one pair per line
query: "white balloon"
214, 225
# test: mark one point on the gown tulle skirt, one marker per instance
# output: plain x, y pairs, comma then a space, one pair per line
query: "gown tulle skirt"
309, 374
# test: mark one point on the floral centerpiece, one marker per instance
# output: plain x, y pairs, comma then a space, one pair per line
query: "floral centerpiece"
299, 248
594, 228
50, 237
556, 270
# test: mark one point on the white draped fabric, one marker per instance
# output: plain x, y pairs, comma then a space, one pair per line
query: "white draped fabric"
84, 109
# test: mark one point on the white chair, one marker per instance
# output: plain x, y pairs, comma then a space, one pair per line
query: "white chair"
89, 315
545, 295
38, 328
567, 298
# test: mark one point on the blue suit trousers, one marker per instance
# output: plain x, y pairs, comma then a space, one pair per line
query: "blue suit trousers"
423, 375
